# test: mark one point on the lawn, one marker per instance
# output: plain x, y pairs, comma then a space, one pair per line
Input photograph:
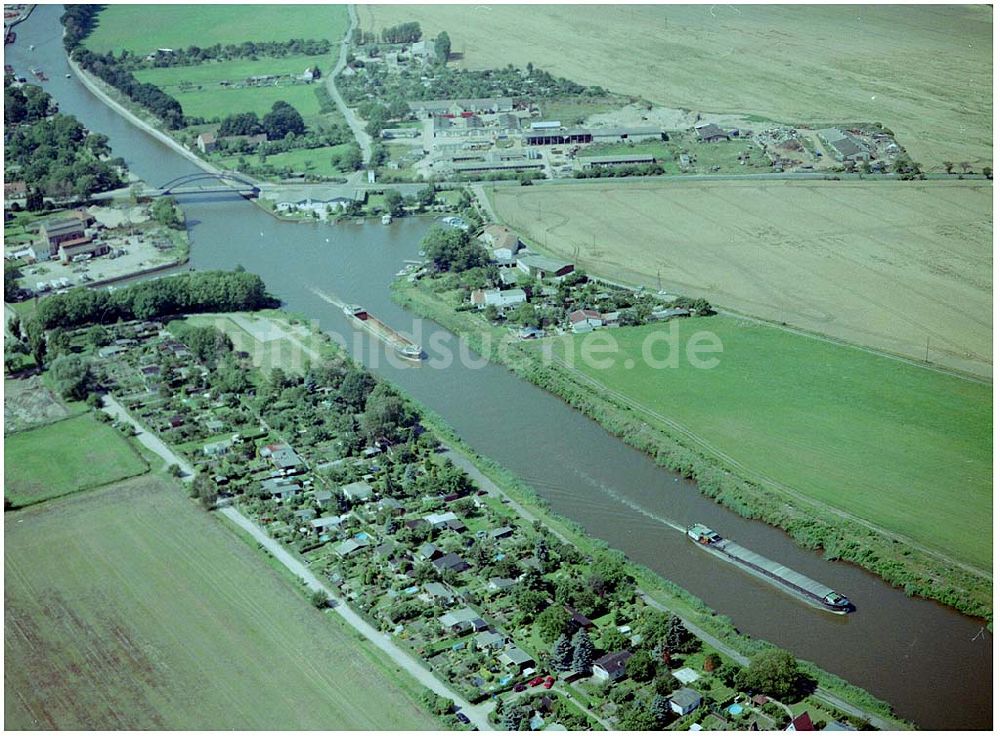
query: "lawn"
906, 448
926, 72
64, 457
198, 90
130, 608
903, 267
144, 28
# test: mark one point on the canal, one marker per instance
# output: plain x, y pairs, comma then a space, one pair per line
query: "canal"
933, 664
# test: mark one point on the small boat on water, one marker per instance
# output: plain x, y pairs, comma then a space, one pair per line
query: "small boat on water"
387, 219
814, 593
404, 347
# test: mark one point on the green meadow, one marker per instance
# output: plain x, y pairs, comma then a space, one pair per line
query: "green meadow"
144, 28
200, 93
64, 457
904, 447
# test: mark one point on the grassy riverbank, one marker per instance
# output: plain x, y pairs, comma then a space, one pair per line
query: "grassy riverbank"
813, 525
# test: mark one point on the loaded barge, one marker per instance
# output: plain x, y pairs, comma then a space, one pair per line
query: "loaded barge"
404, 347
808, 589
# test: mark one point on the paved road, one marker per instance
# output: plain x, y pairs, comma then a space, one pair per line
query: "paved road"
149, 440
820, 693
364, 140
476, 714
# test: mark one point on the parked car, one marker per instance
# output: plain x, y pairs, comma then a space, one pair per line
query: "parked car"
537, 681
549, 682
462, 718
519, 687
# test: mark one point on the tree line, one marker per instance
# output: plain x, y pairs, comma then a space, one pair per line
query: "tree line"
403, 33
209, 291
226, 52
107, 68
278, 123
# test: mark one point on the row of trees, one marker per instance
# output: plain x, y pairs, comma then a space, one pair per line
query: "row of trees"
208, 291
602, 172
403, 33
107, 68
226, 52
78, 21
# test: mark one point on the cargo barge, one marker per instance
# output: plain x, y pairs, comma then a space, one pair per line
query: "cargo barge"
404, 347
796, 583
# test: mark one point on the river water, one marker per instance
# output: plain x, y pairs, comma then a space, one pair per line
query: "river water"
933, 664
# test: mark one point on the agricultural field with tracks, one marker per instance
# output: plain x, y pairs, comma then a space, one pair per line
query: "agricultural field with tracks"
924, 71
145, 28
129, 608
903, 267
903, 447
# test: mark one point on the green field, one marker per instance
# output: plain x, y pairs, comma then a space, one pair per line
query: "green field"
198, 90
144, 28
132, 609
308, 160
70, 455
906, 448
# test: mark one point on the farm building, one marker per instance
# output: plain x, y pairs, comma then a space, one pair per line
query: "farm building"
623, 159
584, 320
56, 232
394, 133
845, 146
541, 267
616, 135
710, 133
475, 167
431, 108
80, 248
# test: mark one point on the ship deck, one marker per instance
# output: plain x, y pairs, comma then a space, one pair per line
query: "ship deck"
773, 568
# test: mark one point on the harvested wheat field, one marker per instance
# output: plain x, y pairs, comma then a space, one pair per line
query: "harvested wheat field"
923, 71
892, 266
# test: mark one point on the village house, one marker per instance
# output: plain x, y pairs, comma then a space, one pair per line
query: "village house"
461, 620
283, 458
611, 667
304, 515
517, 658
585, 320
323, 498
502, 241
350, 547
357, 492
450, 562
439, 593
845, 146
684, 701
489, 640
502, 300
500, 584
280, 488
440, 521
326, 524
503, 532
428, 551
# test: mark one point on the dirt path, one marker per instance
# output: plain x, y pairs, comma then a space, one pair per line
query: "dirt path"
477, 714
149, 440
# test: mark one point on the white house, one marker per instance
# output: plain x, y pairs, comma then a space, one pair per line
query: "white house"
611, 667
502, 241
501, 299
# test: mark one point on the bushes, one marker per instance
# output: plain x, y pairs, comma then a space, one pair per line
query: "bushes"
107, 68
